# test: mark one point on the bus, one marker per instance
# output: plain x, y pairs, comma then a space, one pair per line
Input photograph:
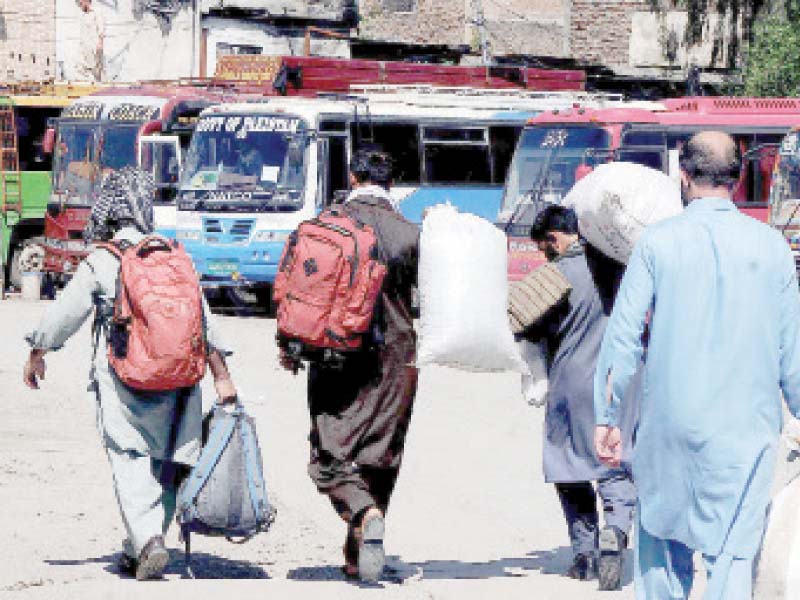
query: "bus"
145, 125
556, 148
255, 170
784, 199
25, 170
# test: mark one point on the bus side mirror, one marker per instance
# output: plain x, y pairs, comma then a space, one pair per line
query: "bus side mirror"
49, 140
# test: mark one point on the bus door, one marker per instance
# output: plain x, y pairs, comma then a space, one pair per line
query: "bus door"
162, 157
332, 168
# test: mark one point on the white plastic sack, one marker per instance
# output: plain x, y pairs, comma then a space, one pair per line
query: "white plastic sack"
534, 380
463, 290
778, 572
617, 200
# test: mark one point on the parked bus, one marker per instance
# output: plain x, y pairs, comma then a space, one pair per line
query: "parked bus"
111, 129
255, 170
557, 148
784, 200
25, 170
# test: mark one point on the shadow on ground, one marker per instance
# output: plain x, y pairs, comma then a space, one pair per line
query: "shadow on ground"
549, 562
204, 566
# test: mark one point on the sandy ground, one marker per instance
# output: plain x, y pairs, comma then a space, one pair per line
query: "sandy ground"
471, 517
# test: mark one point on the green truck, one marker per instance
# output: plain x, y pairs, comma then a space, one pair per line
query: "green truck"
25, 172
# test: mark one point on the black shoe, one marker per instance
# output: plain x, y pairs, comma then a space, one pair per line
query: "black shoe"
152, 560
583, 567
126, 565
611, 545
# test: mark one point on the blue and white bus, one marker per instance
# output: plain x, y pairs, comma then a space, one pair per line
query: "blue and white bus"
255, 170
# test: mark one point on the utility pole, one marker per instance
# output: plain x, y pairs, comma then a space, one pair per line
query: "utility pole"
479, 22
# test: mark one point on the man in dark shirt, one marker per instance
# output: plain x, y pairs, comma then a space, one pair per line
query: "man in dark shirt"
360, 411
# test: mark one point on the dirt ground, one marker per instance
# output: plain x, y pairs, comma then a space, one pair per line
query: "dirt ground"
471, 517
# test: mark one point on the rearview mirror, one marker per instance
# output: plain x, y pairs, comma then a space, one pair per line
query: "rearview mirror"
49, 140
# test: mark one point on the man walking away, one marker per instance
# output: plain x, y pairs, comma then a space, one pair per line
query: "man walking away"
573, 331
360, 411
722, 295
151, 438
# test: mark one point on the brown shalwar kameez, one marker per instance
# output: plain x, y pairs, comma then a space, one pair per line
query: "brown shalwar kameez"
360, 413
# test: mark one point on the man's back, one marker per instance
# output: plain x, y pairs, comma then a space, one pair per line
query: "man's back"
721, 287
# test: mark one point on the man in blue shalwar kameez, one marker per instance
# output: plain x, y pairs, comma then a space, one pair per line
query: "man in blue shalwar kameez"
722, 294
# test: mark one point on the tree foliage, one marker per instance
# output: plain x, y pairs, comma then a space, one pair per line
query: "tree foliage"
772, 65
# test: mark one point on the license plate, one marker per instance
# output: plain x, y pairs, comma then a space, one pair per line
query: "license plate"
223, 267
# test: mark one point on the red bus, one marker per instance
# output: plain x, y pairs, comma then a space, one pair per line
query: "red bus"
557, 147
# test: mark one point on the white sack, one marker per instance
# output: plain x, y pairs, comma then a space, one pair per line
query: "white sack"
617, 200
534, 379
463, 286
778, 572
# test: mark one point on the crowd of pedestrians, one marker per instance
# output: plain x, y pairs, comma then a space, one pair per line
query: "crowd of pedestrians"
666, 382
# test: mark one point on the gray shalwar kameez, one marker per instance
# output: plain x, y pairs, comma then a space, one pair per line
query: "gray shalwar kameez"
573, 332
137, 428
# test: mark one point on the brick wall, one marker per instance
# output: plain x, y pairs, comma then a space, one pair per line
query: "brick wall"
600, 31
431, 22
27, 40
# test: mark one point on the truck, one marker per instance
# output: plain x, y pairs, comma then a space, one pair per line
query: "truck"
25, 111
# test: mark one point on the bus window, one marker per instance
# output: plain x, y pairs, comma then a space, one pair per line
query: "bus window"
649, 157
400, 141
337, 167
502, 141
457, 155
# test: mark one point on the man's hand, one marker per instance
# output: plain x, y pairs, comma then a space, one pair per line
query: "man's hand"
34, 369
226, 390
608, 445
289, 362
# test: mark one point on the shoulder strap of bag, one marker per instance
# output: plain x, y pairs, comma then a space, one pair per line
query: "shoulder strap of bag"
218, 439
254, 475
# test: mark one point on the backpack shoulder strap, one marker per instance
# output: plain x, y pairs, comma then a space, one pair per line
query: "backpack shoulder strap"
218, 439
114, 248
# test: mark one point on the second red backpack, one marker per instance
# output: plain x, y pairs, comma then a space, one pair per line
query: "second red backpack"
329, 279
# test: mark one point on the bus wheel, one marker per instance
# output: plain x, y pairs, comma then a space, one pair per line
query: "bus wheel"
29, 257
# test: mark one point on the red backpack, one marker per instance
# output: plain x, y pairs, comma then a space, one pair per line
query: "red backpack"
157, 334
329, 278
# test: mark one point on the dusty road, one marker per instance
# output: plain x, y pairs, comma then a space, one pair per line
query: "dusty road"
471, 518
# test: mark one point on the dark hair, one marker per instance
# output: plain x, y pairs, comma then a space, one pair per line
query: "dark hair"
708, 166
372, 165
554, 218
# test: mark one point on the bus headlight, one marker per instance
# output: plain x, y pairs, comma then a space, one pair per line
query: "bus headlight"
189, 235
267, 235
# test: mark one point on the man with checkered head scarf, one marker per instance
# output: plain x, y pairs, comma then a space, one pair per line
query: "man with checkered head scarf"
125, 199
151, 438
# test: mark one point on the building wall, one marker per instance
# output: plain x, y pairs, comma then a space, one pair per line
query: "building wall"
27, 40
428, 21
271, 40
138, 45
600, 32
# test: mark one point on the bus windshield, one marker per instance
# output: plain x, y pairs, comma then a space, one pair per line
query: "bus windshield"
250, 160
545, 166
74, 164
118, 146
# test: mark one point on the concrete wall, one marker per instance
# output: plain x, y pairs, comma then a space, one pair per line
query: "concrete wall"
27, 40
138, 45
332, 10
658, 41
273, 41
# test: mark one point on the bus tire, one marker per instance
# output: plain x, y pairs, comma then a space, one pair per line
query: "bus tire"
264, 299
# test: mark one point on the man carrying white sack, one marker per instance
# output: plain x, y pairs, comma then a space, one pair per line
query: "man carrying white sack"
573, 330
722, 294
